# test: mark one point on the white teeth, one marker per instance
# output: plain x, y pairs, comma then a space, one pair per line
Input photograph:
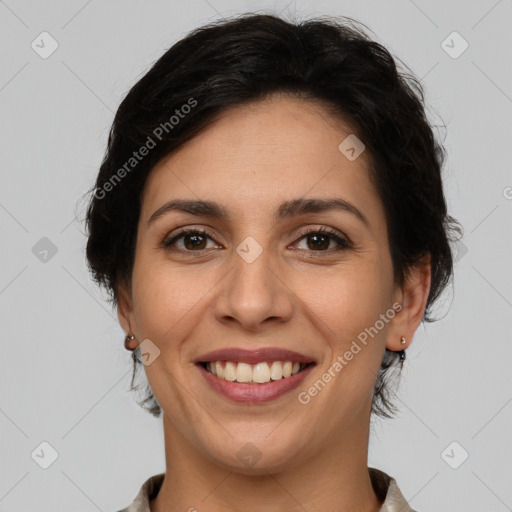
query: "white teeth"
260, 373
287, 369
243, 372
276, 371
230, 371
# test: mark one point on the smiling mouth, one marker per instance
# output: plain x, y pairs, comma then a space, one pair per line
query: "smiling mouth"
259, 373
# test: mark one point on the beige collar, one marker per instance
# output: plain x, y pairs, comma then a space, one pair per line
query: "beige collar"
385, 487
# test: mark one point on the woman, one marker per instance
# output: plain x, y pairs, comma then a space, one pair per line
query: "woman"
270, 220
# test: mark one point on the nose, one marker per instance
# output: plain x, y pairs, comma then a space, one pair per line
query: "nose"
252, 295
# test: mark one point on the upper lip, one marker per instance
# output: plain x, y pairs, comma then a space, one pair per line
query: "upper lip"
254, 356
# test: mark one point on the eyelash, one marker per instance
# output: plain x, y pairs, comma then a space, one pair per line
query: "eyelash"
343, 243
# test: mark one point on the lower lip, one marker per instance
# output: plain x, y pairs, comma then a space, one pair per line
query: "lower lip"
255, 393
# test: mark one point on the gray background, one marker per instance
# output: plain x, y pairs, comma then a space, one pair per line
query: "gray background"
64, 372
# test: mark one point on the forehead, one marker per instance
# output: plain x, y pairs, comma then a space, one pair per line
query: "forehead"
257, 155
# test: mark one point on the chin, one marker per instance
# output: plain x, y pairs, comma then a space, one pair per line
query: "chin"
258, 454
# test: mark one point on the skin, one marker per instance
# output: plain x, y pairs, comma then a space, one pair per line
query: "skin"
314, 301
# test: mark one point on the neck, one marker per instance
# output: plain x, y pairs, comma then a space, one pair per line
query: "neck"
336, 479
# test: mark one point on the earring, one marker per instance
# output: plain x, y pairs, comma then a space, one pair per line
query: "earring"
402, 358
129, 337
402, 352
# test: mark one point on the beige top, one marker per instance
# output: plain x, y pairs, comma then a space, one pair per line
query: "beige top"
385, 487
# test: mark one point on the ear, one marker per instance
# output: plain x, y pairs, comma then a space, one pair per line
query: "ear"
413, 297
125, 309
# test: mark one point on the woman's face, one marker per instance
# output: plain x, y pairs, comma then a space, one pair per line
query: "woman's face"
264, 278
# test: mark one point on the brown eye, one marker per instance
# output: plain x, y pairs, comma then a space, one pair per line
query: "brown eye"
191, 240
319, 240
194, 241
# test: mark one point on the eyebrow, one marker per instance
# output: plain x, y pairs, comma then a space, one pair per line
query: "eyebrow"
285, 210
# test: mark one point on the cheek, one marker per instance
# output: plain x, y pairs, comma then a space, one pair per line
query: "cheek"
348, 299
168, 303
168, 297
350, 318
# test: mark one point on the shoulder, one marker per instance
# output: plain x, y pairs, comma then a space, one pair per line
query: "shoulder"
147, 492
387, 490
